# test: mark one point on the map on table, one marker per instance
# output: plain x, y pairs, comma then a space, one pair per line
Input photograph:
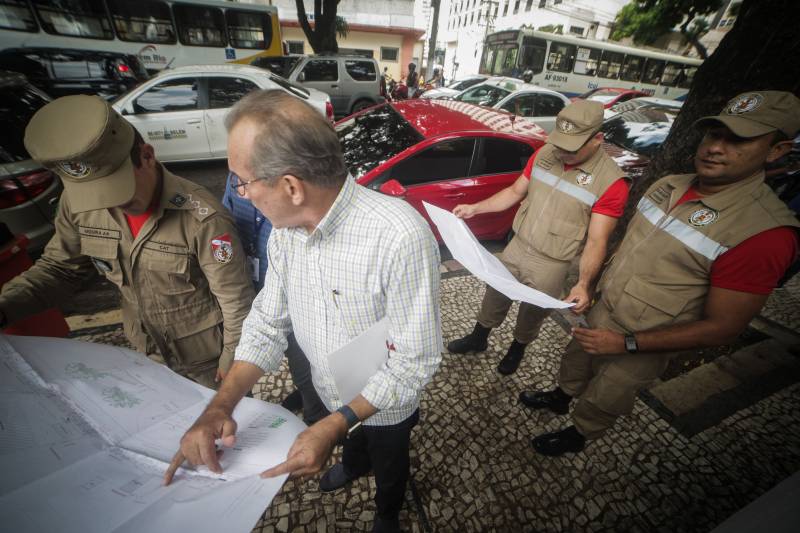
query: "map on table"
87, 431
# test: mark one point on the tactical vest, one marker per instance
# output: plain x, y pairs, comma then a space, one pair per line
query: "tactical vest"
660, 275
554, 217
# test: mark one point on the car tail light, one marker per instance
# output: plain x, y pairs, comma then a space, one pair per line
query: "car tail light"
123, 69
20, 189
329, 111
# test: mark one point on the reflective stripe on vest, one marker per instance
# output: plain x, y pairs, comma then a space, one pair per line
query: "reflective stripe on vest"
582, 195
689, 236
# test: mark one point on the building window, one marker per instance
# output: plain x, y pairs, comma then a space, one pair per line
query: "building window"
389, 54
528, 5
577, 30
357, 52
505, 8
516, 7
296, 47
542, 3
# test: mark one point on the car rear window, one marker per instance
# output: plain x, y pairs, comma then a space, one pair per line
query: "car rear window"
642, 130
18, 103
372, 137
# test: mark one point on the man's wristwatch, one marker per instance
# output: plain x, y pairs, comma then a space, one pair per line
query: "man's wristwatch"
630, 343
350, 416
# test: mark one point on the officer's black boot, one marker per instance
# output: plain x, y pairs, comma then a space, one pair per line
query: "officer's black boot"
474, 342
559, 442
556, 400
510, 363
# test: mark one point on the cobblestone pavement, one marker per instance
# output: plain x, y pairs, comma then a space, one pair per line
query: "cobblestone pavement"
474, 469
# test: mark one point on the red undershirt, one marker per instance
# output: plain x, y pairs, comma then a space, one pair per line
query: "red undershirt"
136, 222
611, 203
757, 264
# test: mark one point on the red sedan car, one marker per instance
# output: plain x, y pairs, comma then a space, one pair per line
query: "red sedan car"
609, 96
442, 152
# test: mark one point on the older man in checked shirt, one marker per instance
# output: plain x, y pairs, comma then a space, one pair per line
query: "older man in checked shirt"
341, 258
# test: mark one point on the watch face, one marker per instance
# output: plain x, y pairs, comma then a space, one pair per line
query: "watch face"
630, 343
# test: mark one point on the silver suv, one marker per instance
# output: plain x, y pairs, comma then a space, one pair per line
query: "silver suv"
353, 82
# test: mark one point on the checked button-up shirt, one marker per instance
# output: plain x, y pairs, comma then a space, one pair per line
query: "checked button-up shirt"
370, 257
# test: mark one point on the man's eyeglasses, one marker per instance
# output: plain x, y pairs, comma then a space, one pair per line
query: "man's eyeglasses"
239, 185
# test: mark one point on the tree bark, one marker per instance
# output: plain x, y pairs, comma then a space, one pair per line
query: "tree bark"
760, 52
428, 73
322, 36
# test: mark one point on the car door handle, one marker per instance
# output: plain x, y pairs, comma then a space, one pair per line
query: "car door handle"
455, 195
334, 86
194, 121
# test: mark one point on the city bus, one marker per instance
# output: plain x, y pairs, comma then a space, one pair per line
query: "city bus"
573, 65
163, 33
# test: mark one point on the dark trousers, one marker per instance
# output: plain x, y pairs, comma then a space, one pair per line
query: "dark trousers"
384, 450
300, 369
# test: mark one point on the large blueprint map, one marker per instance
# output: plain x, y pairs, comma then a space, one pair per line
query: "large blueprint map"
87, 431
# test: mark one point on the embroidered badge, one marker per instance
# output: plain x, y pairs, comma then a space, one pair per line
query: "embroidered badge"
744, 104
565, 126
703, 217
221, 248
178, 200
76, 169
584, 179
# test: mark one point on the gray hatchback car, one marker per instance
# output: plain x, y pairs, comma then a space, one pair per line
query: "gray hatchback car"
353, 82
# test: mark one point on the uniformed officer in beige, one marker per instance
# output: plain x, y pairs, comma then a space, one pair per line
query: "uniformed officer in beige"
698, 261
572, 194
166, 242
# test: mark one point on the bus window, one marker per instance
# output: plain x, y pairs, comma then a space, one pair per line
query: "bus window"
610, 64
142, 21
200, 26
249, 29
670, 73
586, 61
652, 71
509, 61
685, 80
632, 68
532, 54
75, 18
561, 57
489, 54
16, 15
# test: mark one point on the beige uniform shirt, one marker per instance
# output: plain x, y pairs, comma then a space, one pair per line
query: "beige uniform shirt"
660, 275
554, 218
184, 281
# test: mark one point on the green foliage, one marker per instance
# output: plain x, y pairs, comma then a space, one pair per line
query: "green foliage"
647, 20
341, 27
559, 29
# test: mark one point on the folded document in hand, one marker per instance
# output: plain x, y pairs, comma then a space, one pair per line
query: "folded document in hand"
483, 265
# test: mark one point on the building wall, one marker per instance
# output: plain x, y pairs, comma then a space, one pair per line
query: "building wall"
386, 13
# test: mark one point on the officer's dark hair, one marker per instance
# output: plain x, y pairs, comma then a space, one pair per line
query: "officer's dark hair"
295, 139
136, 149
778, 137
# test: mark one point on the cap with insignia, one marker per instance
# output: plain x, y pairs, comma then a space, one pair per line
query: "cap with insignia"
88, 144
575, 124
759, 112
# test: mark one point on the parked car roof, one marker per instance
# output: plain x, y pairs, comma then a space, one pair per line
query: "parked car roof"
438, 117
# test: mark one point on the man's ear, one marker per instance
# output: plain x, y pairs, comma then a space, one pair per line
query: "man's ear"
779, 150
147, 155
294, 188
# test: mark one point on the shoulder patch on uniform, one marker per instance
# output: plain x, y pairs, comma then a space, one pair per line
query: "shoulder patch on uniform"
221, 248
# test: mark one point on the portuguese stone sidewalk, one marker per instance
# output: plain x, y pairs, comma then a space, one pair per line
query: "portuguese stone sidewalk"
474, 470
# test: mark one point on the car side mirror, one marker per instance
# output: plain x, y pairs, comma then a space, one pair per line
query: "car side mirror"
137, 109
301, 77
393, 188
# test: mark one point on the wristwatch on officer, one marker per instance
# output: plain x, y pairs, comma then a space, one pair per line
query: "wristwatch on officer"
630, 343
350, 416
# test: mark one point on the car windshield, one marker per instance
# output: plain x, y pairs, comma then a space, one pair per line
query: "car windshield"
485, 95
642, 130
460, 85
18, 103
373, 137
302, 92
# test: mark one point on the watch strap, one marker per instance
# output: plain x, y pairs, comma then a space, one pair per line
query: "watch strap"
350, 417
631, 346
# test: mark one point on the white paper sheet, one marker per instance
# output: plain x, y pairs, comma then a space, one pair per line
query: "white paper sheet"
87, 431
354, 363
468, 251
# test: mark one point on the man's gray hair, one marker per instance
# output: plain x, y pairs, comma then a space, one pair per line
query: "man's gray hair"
294, 139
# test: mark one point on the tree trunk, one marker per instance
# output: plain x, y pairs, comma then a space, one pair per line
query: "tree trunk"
428, 73
322, 36
760, 52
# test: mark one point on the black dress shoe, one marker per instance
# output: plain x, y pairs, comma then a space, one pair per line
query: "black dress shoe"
509, 364
559, 442
386, 525
335, 478
555, 400
474, 342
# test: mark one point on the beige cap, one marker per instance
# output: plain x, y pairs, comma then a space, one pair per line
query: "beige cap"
88, 144
575, 124
759, 112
